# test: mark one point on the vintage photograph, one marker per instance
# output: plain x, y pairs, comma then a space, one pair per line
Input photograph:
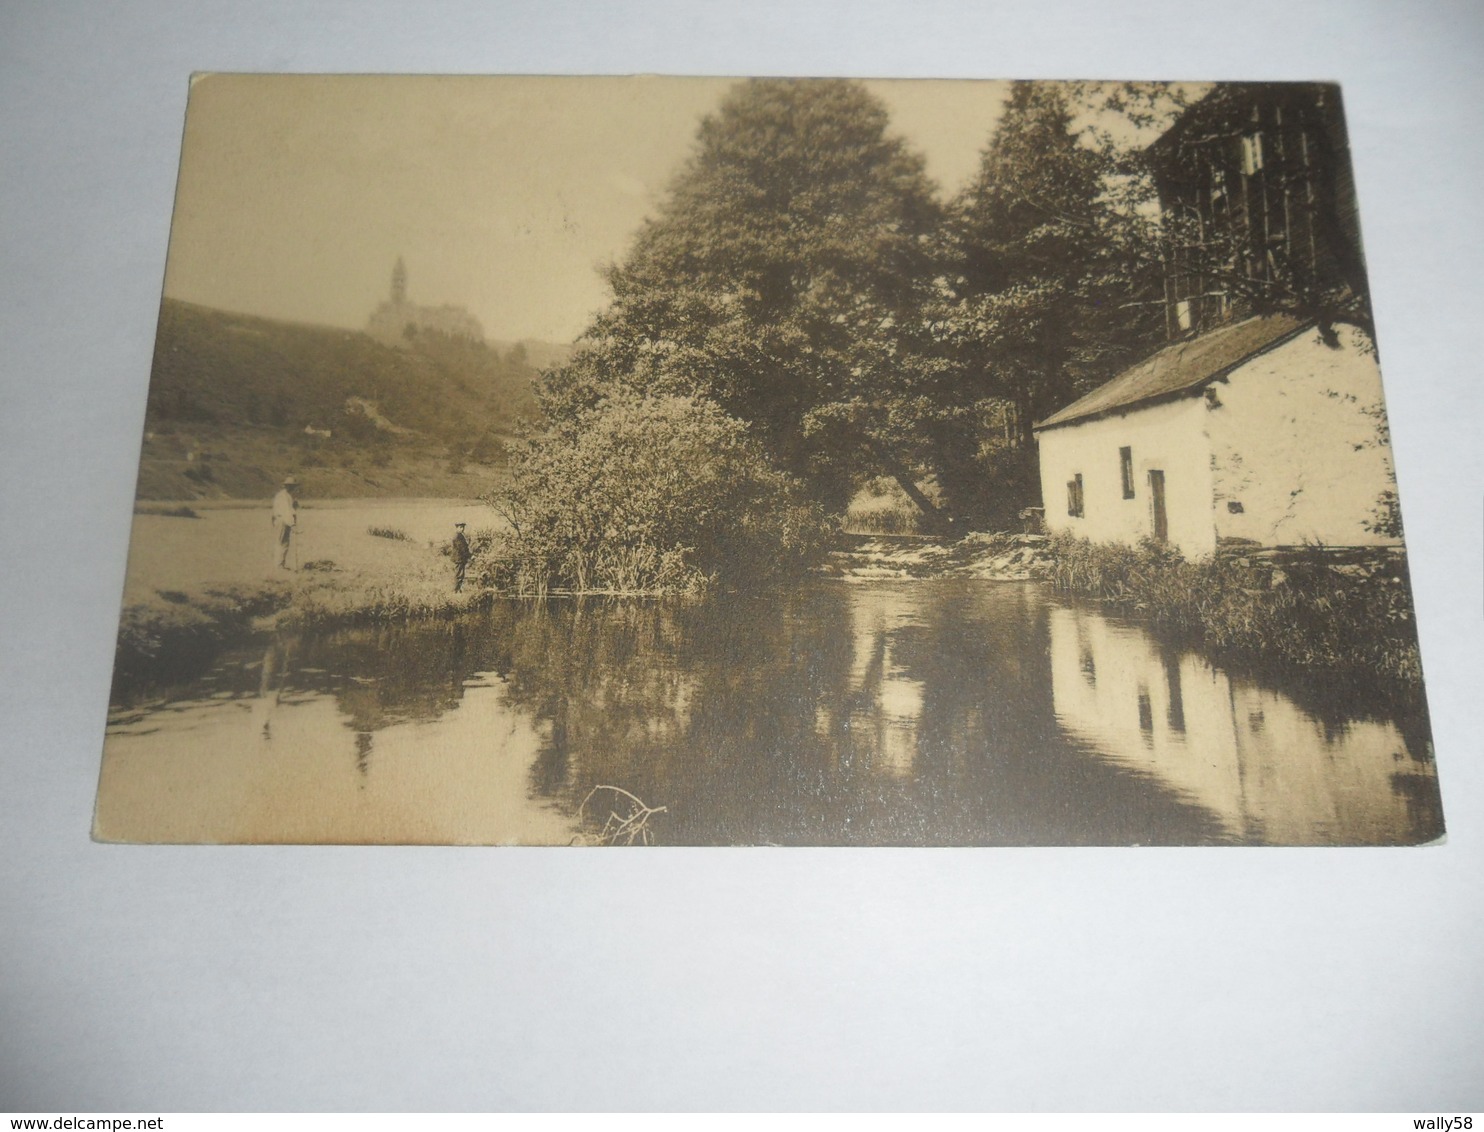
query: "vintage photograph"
663, 461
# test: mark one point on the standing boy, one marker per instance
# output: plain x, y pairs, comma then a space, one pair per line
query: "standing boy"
461, 556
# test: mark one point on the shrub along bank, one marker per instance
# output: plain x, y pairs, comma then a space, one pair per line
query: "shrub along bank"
650, 495
1305, 610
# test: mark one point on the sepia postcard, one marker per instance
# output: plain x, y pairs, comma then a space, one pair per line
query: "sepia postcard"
661, 461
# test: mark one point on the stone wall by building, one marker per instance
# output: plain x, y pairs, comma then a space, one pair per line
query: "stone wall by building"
1296, 450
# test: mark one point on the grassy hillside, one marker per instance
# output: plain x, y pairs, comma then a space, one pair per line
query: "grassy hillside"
209, 461
226, 368
236, 402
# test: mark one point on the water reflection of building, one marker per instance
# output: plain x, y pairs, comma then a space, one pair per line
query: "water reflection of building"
1267, 769
885, 703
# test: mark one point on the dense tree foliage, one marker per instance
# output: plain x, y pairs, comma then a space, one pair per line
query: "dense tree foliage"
1051, 275
658, 493
1053, 287
783, 278
801, 275
801, 278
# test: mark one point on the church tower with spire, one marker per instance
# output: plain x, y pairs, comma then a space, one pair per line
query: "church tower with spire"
399, 283
397, 322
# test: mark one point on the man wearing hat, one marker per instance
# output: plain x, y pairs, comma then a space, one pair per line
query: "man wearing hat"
285, 519
461, 556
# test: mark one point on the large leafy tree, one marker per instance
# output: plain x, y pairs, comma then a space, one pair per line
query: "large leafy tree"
1056, 287
783, 278
1052, 280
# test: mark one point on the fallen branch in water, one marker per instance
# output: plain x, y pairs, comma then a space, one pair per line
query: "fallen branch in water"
623, 829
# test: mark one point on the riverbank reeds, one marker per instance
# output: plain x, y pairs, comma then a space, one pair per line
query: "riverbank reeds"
1304, 611
359, 600
641, 570
882, 508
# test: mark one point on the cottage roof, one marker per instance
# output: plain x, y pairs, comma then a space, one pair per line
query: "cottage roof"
1181, 368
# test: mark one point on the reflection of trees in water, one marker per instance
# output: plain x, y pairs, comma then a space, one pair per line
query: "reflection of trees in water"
916, 714
707, 708
992, 765
831, 715
592, 672
388, 674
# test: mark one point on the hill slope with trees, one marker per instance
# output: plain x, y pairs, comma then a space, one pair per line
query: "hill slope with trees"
236, 402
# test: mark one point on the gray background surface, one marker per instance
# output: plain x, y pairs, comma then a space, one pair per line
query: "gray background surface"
348, 978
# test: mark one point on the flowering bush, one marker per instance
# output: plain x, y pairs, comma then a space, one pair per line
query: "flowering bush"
650, 494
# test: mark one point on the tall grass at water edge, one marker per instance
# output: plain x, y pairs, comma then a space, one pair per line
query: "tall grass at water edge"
177, 634
614, 570
1305, 612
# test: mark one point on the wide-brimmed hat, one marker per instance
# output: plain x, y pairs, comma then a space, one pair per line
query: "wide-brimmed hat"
290, 481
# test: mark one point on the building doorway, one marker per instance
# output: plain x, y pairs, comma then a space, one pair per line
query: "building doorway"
1161, 519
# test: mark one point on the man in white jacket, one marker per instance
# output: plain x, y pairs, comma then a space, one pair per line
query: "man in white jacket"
285, 520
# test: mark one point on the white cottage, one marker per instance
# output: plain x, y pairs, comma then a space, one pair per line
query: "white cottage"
1256, 431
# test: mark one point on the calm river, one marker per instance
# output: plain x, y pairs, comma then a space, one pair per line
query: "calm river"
948, 712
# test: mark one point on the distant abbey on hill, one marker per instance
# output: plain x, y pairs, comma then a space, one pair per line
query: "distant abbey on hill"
397, 320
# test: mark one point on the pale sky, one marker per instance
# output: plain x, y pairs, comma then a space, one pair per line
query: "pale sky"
503, 195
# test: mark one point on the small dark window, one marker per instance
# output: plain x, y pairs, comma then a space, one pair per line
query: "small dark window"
1235, 506
1126, 462
1074, 496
